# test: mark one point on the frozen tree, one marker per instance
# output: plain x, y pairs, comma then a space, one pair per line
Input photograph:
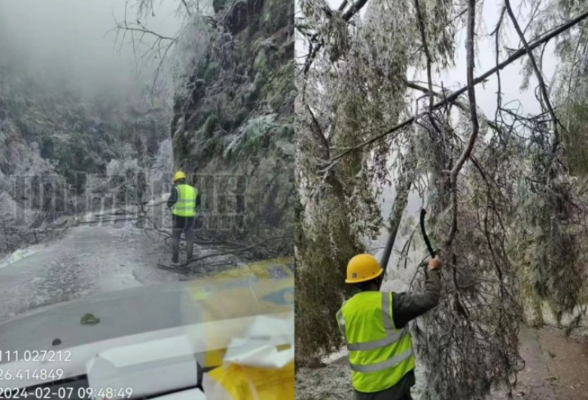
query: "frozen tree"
506, 213
354, 84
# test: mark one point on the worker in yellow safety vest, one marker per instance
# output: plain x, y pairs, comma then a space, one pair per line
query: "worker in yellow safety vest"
183, 201
375, 326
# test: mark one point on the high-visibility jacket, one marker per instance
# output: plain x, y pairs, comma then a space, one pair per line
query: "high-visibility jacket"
185, 206
379, 353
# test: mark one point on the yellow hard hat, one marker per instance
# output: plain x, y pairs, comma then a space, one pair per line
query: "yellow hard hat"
179, 175
363, 267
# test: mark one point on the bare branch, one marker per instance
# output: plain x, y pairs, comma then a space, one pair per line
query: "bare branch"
233, 251
538, 74
421, 22
473, 113
496, 34
187, 8
137, 27
319, 135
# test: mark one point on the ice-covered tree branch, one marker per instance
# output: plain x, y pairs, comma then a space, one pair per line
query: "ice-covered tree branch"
538, 74
452, 97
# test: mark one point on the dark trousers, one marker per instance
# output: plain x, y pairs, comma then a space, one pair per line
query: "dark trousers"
185, 225
383, 395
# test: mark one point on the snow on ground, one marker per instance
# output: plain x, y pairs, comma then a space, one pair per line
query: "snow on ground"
556, 368
88, 259
19, 255
334, 380
328, 383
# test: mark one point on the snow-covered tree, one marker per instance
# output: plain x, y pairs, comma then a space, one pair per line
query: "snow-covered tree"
505, 213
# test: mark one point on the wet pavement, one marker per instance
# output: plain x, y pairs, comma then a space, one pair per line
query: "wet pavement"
556, 366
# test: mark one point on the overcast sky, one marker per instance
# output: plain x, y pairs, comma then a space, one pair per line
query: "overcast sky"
511, 77
69, 37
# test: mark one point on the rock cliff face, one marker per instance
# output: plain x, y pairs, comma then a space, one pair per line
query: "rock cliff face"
236, 118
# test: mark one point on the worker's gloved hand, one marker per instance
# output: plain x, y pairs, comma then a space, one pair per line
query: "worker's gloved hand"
435, 263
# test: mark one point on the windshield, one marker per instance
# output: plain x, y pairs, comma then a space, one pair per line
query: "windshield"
146, 168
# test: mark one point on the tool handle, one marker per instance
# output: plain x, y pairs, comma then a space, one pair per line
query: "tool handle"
427, 242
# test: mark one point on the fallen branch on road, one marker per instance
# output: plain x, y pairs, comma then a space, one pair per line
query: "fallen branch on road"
234, 251
97, 221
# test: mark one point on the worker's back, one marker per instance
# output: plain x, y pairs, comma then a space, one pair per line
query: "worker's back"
380, 354
375, 326
185, 206
183, 201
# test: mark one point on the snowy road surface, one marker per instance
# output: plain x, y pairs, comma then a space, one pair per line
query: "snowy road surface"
88, 260
556, 367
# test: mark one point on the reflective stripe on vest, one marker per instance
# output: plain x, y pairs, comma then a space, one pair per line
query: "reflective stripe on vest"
379, 354
186, 204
